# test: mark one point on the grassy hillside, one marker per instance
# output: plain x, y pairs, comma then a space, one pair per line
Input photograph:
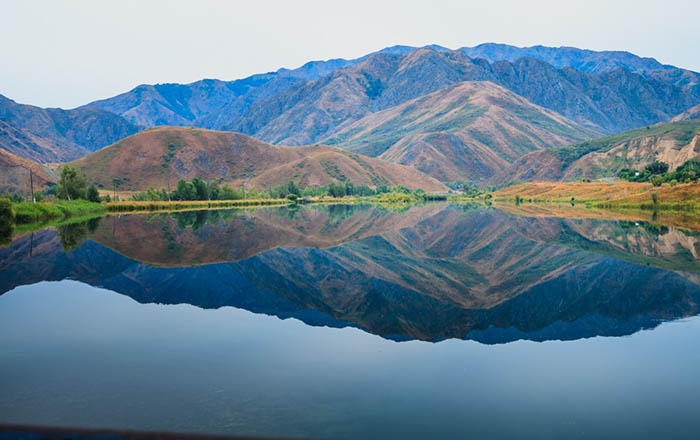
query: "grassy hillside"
14, 174
682, 132
161, 156
607, 195
463, 132
673, 143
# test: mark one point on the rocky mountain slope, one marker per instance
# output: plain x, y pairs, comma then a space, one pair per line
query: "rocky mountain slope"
467, 131
53, 135
622, 92
673, 143
161, 156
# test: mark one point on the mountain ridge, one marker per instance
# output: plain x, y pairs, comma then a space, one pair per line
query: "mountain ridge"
239, 110
51, 135
467, 131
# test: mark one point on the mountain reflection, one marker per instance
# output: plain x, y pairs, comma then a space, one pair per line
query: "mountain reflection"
427, 272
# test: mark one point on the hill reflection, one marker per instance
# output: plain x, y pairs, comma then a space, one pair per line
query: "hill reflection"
428, 272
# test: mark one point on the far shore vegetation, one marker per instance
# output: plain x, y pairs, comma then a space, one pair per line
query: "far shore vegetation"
653, 188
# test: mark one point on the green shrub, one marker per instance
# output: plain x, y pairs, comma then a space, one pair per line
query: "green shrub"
7, 221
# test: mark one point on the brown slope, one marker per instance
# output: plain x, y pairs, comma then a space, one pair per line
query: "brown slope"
691, 113
161, 156
467, 131
673, 143
15, 176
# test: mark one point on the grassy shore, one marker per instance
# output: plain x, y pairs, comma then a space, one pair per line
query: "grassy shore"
28, 212
623, 195
389, 198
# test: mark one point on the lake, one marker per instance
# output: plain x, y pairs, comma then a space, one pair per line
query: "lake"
354, 321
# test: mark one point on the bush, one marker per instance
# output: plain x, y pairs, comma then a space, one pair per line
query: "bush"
93, 195
657, 180
7, 220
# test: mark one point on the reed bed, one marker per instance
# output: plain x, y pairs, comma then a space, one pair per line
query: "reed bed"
131, 206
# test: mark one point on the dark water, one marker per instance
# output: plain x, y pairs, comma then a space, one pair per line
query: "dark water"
354, 322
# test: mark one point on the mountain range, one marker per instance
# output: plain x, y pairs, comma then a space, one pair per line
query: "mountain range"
465, 114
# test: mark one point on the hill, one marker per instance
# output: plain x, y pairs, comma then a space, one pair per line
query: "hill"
161, 156
14, 174
673, 143
56, 135
467, 131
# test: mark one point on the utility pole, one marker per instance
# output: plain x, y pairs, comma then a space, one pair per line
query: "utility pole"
31, 184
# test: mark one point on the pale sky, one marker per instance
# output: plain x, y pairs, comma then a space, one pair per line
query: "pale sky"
68, 53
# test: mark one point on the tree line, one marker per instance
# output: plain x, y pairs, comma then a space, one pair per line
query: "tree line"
657, 173
199, 189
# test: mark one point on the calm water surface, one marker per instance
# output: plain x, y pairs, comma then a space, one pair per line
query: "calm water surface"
354, 322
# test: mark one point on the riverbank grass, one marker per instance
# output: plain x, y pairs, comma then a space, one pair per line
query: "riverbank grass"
28, 212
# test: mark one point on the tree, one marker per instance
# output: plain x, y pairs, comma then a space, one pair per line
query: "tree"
336, 189
201, 190
228, 193
213, 191
657, 180
364, 190
293, 189
184, 191
349, 188
657, 167
71, 184
92, 194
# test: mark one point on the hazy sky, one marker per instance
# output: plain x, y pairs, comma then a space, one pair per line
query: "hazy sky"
68, 53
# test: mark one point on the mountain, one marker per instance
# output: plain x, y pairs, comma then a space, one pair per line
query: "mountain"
608, 102
467, 131
159, 157
588, 61
56, 135
295, 108
15, 174
212, 103
209, 103
673, 143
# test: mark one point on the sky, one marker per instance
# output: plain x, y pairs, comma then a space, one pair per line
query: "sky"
68, 53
